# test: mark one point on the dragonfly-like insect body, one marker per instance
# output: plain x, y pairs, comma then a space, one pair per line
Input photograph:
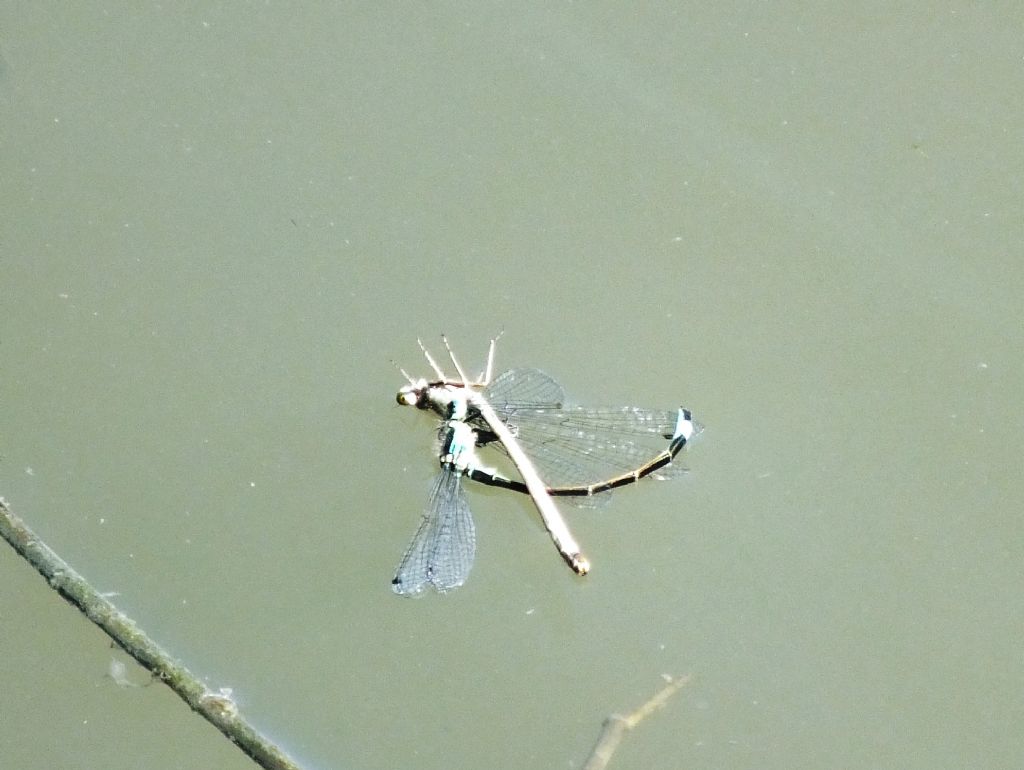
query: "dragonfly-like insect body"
559, 450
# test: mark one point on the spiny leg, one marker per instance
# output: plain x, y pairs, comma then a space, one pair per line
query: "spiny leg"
451, 355
485, 378
404, 373
431, 361
482, 381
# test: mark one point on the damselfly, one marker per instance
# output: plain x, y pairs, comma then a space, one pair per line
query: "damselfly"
560, 450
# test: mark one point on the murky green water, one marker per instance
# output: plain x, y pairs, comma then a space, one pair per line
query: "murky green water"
220, 226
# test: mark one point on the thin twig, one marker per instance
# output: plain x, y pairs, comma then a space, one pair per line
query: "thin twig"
216, 706
615, 726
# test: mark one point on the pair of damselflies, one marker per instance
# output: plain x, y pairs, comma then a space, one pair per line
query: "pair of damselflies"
559, 450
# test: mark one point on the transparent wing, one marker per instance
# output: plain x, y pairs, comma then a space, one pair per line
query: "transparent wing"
576, 445
524, 388
442, 550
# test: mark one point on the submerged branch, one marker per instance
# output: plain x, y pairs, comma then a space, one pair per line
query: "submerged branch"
616, 725
217, 707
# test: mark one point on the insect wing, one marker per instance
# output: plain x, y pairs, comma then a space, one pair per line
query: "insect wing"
576, 445
442, 550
